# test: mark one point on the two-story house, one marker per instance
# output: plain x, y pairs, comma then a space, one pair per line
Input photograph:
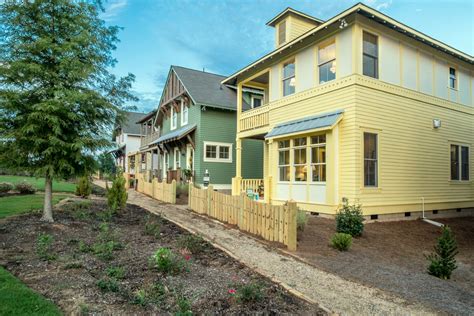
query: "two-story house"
364, 108
193, 131
127, 136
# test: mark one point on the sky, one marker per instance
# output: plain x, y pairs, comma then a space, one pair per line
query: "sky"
223, 36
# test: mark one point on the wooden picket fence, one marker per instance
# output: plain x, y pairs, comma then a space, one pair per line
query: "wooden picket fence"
271, 222
165, 192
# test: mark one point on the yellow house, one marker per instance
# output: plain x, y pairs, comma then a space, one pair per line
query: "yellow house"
360, 107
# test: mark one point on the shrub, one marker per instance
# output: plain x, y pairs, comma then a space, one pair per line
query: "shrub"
116, 272
164, 260
5, 187
182, 190
106, 243
341, 241
25, 188
107, 284
249, 292
153, 226
83, 247
350, 220
301, 220
84, 187
443, 261
44, 244
154, 294
194, 243
183, 306
117, 195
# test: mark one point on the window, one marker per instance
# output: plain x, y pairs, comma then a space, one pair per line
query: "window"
327, 63
174, 118
289, 78
299, 159
452, 78
217, 152
256, 101
370, 55
318, 158
177, 160
284, 160
282, 33
370, 160
459, 163
184, 113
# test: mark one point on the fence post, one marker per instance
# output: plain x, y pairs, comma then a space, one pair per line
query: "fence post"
292, 210
209, 202
173, 192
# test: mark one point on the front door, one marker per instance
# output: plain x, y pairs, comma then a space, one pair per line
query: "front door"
189, 157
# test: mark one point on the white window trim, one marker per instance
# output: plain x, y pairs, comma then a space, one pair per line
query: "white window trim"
173, 113
283, 78
253, 97
184, 107
176, 165
311, 164
289, 162
456, 83
322, 63
460, 163
217, 159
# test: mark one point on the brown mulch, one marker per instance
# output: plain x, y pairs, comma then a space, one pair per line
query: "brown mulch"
70, 281
391, 256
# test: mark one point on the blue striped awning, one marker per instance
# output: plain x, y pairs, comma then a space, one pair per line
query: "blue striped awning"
306, 124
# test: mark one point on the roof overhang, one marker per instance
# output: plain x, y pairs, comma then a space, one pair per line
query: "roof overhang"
174, 135
306, 38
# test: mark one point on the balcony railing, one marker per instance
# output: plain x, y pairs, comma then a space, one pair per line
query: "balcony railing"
147, 139
255, 118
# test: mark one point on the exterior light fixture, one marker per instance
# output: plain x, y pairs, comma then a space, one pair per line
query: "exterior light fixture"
436, 123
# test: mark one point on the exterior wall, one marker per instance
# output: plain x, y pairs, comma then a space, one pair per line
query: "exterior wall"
132, 144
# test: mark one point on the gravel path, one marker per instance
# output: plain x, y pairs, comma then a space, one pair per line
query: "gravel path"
328, 290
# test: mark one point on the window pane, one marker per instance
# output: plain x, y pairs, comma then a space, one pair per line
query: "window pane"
327, 53
284, 157
370, 159
300, 173
318, 173
284, 144
257, 102
211, 151
327, 72
299, 141
288, 70
370, 146
370, 44
223, 152
288, 86
370, 66
454, 162
318, 155
370, 173
320, 139
464, 163
284, 173
300, 156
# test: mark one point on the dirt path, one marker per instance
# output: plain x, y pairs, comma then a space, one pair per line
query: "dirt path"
328, 290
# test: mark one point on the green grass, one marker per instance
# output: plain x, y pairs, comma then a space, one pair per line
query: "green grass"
58, 186
17, 299
19, 204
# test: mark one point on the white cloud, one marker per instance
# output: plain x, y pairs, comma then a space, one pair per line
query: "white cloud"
113, 9
378, 4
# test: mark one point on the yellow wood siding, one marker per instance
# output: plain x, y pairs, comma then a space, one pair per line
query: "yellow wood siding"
298, 26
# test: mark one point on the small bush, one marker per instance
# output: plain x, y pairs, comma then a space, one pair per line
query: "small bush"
183, 306
164, 260
194, 243
107, 284
5, 187
117, 195
84, 187
84, 247
44, 244
25, 188
443, 261
116, 272
350, 220
154, 294
153, 226
182, 190
341, 241
249, 292
301, 220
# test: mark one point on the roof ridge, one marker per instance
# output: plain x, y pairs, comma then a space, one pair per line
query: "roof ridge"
200, 71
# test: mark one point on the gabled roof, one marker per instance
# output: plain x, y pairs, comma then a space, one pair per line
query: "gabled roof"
130, 126
288, 11
146, 117
206, 89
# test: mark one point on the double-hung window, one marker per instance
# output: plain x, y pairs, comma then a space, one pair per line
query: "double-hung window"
174, 118
459, 162
327, 63
256, 101
217, 152
184, 113
299, 159
289, 79
370, 160
284, 160
318, 158
452, 78
370, 55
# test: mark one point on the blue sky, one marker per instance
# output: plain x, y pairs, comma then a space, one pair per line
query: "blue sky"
223, 36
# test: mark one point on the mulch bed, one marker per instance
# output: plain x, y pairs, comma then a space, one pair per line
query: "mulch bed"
391, 256
70, 280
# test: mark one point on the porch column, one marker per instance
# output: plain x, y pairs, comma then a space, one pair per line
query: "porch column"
236, 181
267, 178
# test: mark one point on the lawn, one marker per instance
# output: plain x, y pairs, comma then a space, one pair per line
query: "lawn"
31, 303
19, 204
58, 186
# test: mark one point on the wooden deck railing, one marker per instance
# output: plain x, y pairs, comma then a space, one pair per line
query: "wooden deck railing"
146, 139
255, 184
254, 118
271, 222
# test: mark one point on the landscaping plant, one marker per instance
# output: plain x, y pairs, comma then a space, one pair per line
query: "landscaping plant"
349, 220
25, 188
83, 187
341, 241
5, 187
116, 272
301, 220
153, 225
248, 292
107, 284
194, 243
443, 261
117, 194
44, 244
164, 260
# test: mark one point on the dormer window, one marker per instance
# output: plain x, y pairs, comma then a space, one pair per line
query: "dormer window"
282, 32
289, 80
327, 62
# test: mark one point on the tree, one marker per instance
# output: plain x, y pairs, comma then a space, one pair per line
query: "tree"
58, 99
106, 164
443, 261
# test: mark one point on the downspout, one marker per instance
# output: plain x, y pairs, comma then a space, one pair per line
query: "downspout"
429, 221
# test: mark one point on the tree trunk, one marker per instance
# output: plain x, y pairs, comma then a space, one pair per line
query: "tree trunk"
48, 200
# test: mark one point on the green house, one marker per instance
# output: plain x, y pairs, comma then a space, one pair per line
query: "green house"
192, 133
